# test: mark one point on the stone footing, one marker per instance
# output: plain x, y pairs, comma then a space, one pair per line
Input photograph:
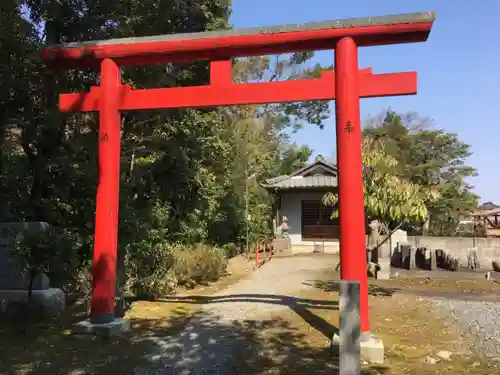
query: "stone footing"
371, 348
47, 303
115, 328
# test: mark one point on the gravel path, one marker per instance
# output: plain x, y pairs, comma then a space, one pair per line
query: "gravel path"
480, 320
212, 337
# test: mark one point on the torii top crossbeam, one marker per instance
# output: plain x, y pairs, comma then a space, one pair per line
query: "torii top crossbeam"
213, 45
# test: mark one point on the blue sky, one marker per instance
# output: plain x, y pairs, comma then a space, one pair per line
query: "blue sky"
458, 69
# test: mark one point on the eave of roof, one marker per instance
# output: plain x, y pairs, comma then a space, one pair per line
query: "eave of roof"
317, 181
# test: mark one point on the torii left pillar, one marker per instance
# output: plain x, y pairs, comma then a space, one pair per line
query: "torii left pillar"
106, 218
102, 310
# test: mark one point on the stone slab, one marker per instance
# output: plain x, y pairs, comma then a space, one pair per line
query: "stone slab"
423, 258
408, 256
117, 327
420, 258
397, 256
433, 261
412, 261
439, 258
46, 303
405, 256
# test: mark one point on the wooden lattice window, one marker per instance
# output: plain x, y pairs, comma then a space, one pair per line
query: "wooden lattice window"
317, 222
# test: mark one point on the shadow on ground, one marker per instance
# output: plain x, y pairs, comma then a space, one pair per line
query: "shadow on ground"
334, 286
202, 340
271, 346
301, 306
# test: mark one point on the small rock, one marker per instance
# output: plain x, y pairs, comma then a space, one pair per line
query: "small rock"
444, 354
365, 363
475, 364
430, 360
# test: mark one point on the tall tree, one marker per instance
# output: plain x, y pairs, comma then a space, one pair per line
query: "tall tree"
430, 157
184, 173
389, 198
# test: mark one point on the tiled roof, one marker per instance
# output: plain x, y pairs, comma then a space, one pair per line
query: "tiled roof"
302, 182
319, 174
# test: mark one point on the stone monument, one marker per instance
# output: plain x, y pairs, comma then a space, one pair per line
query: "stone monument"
389, 252
14, 282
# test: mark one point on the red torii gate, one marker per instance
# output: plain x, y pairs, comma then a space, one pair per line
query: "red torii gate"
346, 85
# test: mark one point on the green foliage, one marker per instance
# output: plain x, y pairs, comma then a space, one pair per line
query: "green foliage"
388, 197
157, 273
53, 252
184, 173
150, 274
198, 265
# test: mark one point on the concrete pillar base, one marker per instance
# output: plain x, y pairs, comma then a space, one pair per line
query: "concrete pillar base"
115, 328
372, 347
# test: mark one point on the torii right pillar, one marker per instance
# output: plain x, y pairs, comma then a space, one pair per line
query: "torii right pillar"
353, 260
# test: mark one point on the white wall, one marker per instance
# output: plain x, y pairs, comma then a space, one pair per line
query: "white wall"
291, 207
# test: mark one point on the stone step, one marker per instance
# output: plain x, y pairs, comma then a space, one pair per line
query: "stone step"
284, 253
329, 249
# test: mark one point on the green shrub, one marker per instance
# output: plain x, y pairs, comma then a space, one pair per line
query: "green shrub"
81, 282
231, 250
198, 265
150, 271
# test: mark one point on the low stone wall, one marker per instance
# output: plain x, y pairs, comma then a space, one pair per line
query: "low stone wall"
410, 258
488, 249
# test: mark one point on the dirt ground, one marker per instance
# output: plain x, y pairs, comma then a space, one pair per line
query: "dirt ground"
412, 332
290, 340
